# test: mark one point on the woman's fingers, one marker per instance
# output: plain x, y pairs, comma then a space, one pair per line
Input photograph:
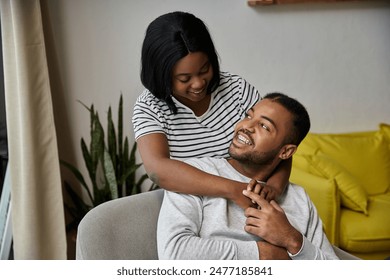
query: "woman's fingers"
255, 198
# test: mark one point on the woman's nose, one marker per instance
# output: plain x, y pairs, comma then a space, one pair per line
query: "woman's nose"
198, 83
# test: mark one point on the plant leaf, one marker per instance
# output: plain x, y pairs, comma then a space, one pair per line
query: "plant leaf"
88, 161
120, 125
125, 155
109, 173
132, 154
137, 187
76, 199
111, 140
130, 171
97, 140
78, 176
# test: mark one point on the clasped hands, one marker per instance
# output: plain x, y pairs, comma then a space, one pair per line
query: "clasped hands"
267, 220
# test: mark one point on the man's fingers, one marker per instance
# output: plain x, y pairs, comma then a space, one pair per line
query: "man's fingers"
276, 206
252, 212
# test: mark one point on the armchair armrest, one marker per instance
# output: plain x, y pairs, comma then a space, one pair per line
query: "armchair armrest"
324, 194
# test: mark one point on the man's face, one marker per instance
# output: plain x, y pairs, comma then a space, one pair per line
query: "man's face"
259, 137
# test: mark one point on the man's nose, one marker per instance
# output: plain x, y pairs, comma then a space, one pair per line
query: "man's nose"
249, 125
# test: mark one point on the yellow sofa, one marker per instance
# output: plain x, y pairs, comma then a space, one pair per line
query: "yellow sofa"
348, 178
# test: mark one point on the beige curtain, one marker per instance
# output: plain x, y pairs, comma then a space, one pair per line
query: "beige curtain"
36, 195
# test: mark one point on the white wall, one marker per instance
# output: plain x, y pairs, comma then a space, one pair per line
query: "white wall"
333, 57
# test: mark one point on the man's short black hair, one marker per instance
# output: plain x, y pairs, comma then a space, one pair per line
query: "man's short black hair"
301, 119
168, 39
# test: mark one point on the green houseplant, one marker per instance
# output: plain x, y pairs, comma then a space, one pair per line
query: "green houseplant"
111, 166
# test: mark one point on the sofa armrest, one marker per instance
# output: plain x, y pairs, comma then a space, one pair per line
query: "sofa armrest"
324, 194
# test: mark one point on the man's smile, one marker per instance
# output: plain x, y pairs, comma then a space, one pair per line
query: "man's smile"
243, 138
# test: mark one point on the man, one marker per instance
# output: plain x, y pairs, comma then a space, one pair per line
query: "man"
198, 227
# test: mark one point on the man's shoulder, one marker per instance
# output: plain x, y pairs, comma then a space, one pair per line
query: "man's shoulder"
296, 192
219, 167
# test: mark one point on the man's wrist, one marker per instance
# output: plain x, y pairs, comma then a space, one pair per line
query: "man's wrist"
295, 244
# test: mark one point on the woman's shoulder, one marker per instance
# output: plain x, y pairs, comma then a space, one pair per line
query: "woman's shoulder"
225, 75
146, 98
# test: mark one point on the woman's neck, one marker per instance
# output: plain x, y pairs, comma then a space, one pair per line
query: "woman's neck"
199, 107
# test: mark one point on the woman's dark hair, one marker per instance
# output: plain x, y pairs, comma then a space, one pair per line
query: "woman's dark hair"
301, 119
168, 39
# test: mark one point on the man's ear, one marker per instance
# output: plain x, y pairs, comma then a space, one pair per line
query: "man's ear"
287, 151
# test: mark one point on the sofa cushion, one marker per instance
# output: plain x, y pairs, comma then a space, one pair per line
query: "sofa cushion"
300, 161
307, 147
323, 193
364, 155
385, 130
367, 233
352, 193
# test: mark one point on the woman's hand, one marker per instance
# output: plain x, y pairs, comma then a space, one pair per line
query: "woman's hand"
261, 188
238, 198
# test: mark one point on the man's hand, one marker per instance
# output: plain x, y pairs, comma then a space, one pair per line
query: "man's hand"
261, 188
270, 223
268, 251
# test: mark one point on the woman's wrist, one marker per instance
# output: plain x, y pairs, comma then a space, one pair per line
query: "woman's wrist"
231, 190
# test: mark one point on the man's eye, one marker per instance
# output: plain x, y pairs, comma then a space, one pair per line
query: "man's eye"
264, 126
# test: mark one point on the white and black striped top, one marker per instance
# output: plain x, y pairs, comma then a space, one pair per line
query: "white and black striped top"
189, 136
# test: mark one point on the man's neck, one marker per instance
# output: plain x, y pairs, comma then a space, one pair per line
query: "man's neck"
250, 170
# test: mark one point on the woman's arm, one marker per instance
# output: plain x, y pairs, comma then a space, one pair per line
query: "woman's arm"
279, 179
177, 176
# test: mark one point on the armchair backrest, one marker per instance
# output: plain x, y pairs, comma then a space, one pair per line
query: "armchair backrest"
124, 228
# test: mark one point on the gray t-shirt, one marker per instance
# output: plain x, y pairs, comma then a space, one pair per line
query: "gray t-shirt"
201, 227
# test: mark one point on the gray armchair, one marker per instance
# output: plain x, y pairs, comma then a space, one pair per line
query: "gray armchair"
125, 229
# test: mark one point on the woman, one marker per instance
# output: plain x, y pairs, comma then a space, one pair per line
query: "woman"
189, 109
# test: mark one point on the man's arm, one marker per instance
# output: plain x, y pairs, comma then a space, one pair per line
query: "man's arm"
269, 251
179, 224
270, 223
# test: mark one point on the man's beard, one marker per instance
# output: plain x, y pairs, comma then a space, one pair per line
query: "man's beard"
255, 158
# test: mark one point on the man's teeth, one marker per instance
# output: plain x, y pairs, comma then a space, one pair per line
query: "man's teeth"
243, 139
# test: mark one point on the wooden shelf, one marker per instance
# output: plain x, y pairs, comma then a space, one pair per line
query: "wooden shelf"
279, 2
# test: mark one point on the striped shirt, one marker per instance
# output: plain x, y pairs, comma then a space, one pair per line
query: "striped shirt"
188, 135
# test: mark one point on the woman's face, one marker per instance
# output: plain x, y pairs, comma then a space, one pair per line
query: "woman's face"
191, 76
